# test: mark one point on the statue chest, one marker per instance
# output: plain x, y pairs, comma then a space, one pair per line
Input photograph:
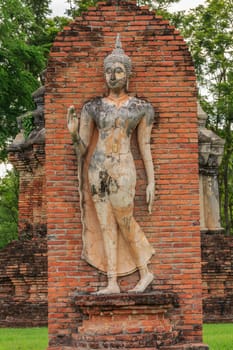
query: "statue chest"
109, 117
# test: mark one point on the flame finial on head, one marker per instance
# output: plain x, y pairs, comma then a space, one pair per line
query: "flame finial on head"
118, 55
118, 44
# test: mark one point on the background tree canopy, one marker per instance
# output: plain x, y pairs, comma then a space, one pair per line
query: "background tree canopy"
209, 33
26, 35
20, 63
27, 32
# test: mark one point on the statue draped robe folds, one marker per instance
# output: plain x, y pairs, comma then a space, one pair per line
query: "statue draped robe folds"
113, 241
104, 117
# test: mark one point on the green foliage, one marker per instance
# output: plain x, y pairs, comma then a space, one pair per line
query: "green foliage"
8, 208
40, 8
26, 35
28, 124
76, 7
20, 65
47, 32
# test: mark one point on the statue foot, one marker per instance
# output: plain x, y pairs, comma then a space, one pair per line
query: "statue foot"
114, 289
143, 283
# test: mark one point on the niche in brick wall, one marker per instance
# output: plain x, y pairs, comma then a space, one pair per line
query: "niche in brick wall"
163, 74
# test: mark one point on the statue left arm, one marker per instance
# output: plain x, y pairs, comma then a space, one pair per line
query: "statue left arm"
144, 136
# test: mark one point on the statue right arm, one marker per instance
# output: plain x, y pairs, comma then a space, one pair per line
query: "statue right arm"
81, 139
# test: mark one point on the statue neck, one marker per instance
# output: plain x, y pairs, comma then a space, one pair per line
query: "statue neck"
117, 95
117, 98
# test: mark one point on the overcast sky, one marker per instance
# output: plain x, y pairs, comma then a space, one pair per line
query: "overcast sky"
59, 6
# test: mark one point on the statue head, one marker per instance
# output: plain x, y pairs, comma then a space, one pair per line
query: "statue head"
117, 67
118, 55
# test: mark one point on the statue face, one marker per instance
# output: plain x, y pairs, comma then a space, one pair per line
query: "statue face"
115, 75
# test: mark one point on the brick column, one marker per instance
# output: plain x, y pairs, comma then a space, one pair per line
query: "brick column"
163, 73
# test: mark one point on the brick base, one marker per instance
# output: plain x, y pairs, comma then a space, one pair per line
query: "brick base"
127, 321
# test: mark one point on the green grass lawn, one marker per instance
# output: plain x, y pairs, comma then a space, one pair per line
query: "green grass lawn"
217, 336
23, 338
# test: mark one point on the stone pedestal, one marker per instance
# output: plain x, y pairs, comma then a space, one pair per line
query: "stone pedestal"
127, 321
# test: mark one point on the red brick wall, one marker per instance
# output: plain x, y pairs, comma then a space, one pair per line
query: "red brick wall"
163, 73
217, 275
29, 161
23, 284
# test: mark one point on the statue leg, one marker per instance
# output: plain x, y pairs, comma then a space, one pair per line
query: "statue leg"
109, 232
137, 242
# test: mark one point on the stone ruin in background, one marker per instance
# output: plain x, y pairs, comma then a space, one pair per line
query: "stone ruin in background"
27, 154
211, 148
23, 263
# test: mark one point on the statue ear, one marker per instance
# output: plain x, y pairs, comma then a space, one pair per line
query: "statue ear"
127, 84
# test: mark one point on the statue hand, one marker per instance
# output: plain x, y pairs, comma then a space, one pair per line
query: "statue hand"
150, 195
72, 120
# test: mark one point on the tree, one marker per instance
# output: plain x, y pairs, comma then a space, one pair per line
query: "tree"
8, 208
25, 40
26, 34
40, 8
209, 34
159, 5
47, 32
20, 65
